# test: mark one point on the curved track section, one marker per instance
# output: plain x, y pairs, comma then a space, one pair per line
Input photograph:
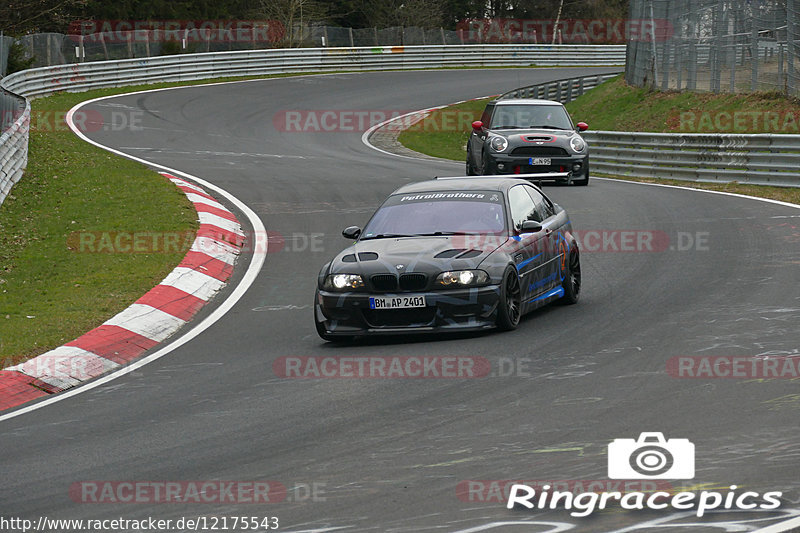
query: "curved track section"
390, 454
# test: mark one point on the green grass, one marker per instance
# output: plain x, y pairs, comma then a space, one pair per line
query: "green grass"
50, 294
444, 132
616, 106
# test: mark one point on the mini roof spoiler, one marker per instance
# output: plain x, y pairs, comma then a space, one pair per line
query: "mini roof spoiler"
539, 176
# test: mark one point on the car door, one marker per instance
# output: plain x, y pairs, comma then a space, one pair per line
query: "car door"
478, 138
551, 258
529, 255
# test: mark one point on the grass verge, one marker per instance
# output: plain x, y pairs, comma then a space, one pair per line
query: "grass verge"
50, 290
616, 106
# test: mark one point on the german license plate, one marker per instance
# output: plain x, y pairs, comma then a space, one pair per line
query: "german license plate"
536, 161
397, 302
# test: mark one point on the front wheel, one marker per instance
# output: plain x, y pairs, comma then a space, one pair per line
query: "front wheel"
470, 169
572, 280
510, 305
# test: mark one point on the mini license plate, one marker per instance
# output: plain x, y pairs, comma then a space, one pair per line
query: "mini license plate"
397, 302
534, 161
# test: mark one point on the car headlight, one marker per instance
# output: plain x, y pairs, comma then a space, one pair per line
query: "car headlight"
577, 144
343, 282
498, 143
462, 278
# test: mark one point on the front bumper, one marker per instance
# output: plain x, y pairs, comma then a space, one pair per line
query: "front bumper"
576, 166
349, 314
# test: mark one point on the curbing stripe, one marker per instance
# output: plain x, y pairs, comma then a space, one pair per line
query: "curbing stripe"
115, 343
147, 321
197, 199
193, 282
150, 320
207, 265
221, 251
223, 223
173, 301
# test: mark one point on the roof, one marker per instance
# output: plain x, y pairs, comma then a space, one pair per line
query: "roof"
527, 101
467, 183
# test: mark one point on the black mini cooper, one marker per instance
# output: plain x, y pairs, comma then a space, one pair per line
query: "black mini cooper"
450, 254
523, 136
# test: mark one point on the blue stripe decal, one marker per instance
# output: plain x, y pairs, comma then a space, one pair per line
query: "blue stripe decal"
558, 291
527, 261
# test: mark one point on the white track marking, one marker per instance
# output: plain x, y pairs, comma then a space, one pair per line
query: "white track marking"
256, 263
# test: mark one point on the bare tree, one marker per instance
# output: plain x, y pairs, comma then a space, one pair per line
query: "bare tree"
291, 16
386, 13
22, 16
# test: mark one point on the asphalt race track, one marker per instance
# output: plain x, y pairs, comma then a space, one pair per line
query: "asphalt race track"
389, 454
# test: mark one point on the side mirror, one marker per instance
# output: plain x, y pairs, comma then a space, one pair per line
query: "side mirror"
582, 126
351, 232
531, 226
477, 125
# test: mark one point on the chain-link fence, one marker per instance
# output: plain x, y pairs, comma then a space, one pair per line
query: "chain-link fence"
5, 48
50, 49
715, 45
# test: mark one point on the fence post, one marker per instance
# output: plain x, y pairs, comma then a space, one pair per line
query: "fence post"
375, 31
350, 30
754, 58
790, 48
444, 41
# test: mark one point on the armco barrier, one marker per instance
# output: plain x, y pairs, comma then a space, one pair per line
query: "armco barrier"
757, 159
83, 76
15, 126
187, 67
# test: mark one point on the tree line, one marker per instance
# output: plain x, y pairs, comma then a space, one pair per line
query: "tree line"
18, 17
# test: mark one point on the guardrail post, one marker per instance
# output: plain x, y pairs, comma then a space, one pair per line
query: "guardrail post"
350, 30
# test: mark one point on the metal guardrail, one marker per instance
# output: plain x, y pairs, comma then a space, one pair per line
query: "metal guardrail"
83, 76
16, 114
757, 159
560, 90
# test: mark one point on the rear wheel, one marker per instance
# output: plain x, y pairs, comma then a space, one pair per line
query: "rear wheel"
510, 306
572, 280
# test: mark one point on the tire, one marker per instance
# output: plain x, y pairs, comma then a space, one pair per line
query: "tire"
572, 280
509, 308
470, 169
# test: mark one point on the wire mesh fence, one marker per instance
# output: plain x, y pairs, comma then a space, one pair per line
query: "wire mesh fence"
716, 45
48, 49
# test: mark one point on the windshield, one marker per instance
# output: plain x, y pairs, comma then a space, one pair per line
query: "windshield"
531, 116
438, 213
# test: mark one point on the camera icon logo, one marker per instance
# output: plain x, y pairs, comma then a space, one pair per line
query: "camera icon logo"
651, 457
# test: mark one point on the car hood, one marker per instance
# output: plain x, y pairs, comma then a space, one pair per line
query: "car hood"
536, 132
429, 255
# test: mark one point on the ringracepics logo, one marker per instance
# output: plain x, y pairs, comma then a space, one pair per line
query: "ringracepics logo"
650, 457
